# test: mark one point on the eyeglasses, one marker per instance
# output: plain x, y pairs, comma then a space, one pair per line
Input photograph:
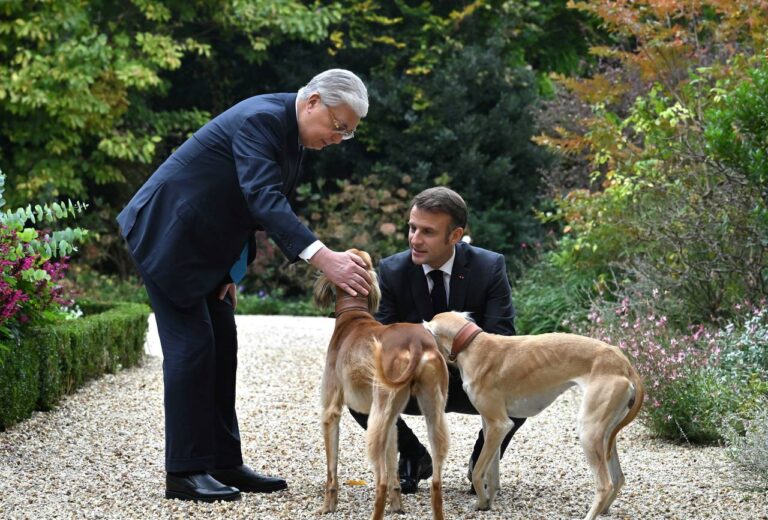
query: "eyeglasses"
338, 127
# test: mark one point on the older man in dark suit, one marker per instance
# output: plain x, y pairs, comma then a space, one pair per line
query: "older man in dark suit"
188, 229
438, 273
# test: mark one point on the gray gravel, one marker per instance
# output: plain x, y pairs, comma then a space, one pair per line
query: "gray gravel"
99, 455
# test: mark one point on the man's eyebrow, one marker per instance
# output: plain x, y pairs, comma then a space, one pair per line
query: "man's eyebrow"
425, 227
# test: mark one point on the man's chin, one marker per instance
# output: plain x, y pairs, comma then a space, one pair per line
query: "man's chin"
417, 258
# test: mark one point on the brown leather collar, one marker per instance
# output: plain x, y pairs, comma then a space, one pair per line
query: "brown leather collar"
463, 338
346, 303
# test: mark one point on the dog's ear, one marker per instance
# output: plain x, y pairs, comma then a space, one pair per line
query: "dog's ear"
323, 292
374, 295
365, 256
466, 315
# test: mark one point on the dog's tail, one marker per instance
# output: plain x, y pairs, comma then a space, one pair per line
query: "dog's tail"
634, 408
415, 351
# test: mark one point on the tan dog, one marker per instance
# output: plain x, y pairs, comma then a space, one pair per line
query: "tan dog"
519, 376
361, 354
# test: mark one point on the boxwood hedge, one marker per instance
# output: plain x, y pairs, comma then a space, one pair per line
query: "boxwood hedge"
50, 362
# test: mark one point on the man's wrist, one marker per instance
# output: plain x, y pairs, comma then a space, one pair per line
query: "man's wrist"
310, 250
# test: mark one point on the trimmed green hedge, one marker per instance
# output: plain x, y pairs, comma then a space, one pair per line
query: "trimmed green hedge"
54, 361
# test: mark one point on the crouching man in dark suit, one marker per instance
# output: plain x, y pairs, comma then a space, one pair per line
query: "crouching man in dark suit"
188, 228
440, 273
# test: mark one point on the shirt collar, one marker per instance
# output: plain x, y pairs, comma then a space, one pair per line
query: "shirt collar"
446, 268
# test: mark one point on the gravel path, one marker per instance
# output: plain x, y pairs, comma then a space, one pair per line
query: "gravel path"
99, 455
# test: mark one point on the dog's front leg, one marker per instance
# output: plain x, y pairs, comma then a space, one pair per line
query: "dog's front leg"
494, 432
332, 403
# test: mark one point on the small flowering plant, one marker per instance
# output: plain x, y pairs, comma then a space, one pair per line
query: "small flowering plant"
32, 263
693, 379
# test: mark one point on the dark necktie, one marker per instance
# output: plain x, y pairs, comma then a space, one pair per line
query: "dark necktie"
439, 300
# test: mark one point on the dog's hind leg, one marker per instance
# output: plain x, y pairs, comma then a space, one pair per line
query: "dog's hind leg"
617, 476
432, 395
332, 403
397, 405
603, 407
494, 432
382, 448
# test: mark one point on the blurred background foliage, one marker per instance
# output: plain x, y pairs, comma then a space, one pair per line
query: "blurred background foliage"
614, 151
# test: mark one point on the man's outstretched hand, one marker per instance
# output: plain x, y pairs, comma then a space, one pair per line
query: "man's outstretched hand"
345, 270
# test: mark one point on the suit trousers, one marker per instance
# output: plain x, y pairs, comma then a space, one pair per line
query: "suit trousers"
199, 345
458, 401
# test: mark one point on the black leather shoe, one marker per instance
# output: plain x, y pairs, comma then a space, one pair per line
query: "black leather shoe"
247, 480
470, 468
413, 470
200, 486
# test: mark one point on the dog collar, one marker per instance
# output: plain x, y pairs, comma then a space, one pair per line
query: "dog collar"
463, 338
351, 303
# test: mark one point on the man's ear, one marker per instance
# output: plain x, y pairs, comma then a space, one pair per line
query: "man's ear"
313, 101
456, 235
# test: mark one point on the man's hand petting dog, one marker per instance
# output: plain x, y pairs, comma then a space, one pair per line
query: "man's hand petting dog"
345, 270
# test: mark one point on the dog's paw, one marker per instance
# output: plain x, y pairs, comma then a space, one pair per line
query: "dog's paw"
483, 506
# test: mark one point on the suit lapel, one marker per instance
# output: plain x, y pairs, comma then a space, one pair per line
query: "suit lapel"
459, 275
420, 291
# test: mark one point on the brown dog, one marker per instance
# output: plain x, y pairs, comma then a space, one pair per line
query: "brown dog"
361, 354
519, 376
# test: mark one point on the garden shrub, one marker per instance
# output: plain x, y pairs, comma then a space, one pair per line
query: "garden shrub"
263, 303
749, 448
52, 361
693, 379
548, 298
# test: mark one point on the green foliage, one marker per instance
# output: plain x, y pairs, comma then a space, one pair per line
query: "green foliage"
748, 448
692, 408
79, 80
371, 215
85, 284
667, 219
266, 304
697, 382
30, 294
49, 362
736, 125
549, 298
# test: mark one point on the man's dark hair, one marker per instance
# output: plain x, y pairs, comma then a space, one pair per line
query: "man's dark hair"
443, 200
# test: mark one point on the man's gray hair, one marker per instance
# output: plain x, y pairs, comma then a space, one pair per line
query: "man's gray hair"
338, 87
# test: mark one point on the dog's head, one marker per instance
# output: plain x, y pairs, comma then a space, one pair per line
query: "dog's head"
324, 294
445, 326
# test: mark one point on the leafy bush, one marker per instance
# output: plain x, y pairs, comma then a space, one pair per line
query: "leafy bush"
84, 283
693, 380
275, 304
30, 293
51, 361
368, 215
548, 298
675, 145
748, 448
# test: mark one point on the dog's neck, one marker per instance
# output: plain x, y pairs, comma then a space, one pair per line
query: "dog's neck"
345, 302
463, 338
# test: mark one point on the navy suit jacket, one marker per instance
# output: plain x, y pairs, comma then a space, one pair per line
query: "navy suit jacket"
479, 285
187, 225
